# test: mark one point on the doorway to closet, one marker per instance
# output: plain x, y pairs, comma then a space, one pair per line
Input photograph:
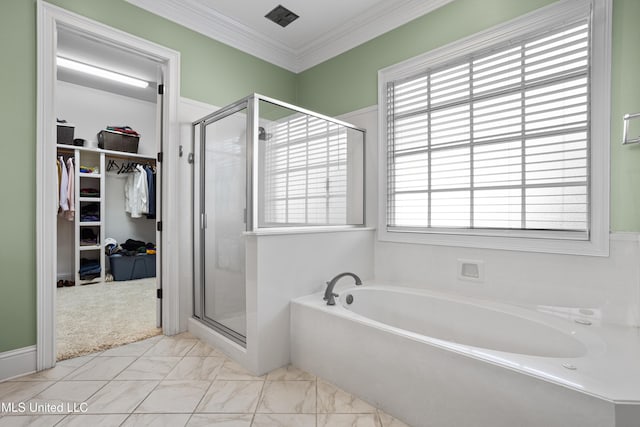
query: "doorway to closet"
108, 206
105, 239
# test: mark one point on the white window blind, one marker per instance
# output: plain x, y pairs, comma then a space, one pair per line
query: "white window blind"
305, 172
495, 140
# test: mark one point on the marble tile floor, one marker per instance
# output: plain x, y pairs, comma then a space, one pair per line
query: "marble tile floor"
178, 381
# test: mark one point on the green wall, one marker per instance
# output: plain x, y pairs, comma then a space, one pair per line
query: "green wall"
17, 175
349, 81
625, 98
210, 72
215, 73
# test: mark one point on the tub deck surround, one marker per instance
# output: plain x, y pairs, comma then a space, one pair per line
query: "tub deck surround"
477, 353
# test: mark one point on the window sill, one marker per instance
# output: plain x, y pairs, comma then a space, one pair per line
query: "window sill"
597, 246
278, 231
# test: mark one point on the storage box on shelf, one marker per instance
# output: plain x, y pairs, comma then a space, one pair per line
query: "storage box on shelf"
118, 141
65, 133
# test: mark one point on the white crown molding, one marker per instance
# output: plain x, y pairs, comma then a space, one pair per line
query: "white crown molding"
385, 16
208, 22
359, 112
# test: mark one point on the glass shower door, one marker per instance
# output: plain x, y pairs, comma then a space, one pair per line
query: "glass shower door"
223, 197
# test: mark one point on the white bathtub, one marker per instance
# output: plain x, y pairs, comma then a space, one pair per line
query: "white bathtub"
434, 360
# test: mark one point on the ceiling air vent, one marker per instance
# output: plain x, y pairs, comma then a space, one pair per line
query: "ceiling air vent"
281, 16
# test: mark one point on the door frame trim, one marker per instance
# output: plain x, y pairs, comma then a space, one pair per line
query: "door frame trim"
49, 18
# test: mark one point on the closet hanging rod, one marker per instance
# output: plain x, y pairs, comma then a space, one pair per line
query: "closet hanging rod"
132, 158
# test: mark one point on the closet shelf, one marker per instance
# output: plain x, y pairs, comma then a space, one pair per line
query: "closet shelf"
90, 175
108, 153
89, 199
89, 223
90, 247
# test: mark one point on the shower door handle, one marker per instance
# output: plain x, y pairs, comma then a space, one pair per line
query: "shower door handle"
203, 221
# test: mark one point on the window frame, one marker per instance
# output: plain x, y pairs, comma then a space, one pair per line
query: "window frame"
546, 18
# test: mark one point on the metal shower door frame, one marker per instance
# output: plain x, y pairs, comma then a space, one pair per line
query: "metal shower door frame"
199, 186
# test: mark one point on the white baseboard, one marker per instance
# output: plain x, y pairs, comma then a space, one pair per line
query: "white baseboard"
15, 363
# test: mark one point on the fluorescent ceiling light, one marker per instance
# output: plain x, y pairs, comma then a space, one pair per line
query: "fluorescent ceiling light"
100, 72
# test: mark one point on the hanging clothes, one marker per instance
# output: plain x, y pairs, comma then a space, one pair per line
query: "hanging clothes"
59, 166
64, 187
136, 193
70, 213
151, 178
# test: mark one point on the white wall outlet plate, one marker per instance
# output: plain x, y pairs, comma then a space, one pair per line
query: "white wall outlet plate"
472, 270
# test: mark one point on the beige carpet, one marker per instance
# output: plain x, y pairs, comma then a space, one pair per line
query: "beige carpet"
103, 315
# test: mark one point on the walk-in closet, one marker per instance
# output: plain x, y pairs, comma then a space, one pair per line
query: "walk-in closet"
108, 118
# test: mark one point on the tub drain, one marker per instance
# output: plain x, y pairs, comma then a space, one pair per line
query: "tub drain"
349, 299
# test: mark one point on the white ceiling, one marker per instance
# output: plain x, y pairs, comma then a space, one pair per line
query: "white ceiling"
325, 28
316, 17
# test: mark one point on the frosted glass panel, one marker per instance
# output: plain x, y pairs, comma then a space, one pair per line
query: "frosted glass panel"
224, 181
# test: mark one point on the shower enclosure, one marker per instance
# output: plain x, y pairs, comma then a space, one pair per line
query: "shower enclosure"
262, 165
